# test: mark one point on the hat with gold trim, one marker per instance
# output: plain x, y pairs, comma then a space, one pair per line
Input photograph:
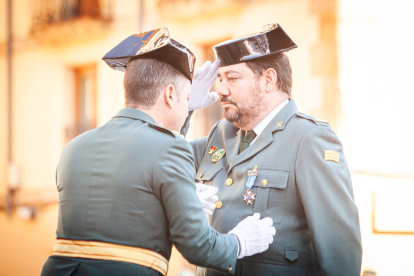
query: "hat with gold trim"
272, 40
156, 44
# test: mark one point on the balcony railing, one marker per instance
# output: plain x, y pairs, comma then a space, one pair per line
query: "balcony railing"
49, 14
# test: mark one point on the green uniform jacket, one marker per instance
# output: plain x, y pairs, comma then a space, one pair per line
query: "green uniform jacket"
310, 199
131, 182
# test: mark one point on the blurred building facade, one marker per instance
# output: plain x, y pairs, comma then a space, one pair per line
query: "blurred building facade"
351, 67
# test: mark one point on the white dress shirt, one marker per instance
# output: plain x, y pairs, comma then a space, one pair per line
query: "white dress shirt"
263, 124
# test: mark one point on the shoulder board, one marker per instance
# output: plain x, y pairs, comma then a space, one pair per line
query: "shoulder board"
317, 121
177, 133
167, 131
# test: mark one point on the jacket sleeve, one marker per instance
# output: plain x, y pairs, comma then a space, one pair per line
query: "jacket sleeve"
325, 189
173, 183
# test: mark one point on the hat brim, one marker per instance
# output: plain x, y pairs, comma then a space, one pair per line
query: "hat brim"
155, 44
250, 47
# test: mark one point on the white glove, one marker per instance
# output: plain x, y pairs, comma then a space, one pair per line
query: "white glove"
203, 80
207, 196
254, 235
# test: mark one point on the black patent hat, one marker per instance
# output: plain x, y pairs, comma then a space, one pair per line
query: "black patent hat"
272, 40
156, 44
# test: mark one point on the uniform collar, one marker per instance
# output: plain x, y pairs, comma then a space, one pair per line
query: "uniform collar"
263, 123
280, 120
136, 115
266, 137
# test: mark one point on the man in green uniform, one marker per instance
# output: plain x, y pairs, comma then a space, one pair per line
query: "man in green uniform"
126, 189
268, 158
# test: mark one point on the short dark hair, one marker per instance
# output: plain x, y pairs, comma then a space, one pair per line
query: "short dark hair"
280, 63
145, 78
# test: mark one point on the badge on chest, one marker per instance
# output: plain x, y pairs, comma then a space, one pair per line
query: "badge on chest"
212, 150
218, 155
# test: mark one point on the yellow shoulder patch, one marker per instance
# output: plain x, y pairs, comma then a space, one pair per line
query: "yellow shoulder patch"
331, 155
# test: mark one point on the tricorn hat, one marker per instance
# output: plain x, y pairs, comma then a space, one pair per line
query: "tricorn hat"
156, 44
272, 40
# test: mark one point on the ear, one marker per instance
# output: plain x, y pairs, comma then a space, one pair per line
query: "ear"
271, 79
170, 95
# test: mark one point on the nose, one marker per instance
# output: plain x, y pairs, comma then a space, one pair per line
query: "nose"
223, 90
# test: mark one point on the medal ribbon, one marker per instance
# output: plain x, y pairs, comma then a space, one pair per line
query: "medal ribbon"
251, 178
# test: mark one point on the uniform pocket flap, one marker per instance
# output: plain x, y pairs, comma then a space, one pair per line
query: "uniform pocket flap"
291, 255
271, 178
207, 172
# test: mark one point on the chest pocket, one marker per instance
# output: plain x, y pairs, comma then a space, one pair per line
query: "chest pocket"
270, 188
206, 172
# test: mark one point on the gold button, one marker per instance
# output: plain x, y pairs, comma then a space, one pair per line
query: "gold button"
219, 204
201, 175
264, 182
230, 269
229, 181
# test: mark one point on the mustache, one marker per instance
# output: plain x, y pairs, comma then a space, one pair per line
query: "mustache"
228, 100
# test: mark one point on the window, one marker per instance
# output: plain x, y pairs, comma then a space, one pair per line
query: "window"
84, 99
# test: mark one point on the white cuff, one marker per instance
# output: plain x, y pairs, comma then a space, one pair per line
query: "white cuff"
238, 245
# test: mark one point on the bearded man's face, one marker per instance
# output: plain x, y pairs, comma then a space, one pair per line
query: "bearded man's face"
241, 95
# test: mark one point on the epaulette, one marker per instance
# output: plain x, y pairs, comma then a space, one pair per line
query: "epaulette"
167, 131
317, 121
177, 133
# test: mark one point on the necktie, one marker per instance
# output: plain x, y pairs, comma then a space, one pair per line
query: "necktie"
248, 138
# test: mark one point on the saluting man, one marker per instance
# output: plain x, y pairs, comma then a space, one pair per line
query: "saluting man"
126, 189
268, 158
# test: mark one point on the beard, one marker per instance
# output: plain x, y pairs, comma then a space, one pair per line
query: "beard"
247, 111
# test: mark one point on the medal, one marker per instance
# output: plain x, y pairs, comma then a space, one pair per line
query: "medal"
212, 150
249, 196
218, 155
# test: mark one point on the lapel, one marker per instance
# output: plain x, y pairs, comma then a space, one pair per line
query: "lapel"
265, 138
232, 144
135, 114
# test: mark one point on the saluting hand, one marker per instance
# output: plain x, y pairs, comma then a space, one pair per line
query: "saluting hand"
203, 80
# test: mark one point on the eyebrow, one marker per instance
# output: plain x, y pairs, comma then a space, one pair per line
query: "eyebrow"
229, 72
